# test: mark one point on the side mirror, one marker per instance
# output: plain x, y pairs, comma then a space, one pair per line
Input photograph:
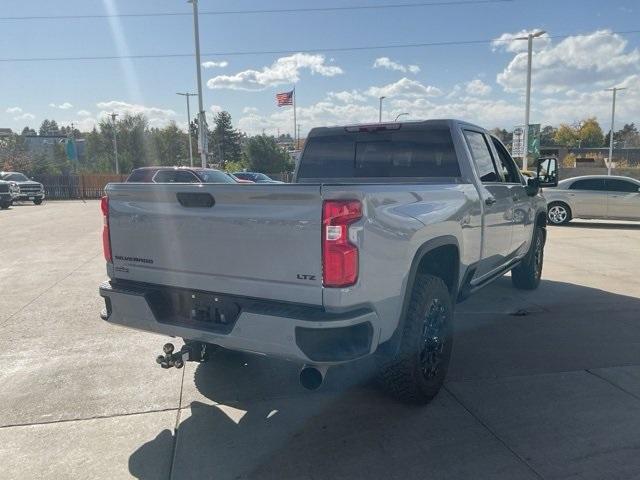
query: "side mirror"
533, 187
547, 172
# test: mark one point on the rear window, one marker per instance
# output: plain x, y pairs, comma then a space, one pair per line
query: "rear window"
426, 152
175, 176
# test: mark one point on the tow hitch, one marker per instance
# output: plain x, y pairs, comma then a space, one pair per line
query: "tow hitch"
190, 352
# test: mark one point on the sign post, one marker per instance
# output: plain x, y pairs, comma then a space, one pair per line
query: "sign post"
533, 140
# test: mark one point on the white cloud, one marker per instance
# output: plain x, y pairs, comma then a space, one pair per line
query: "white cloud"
508, 42
593, 61
386, 62
318, 114
84, 124
215, 109
404, 87
83, 113
249, 110
284, 70
62, 106
221, 64
347, 96
25, 116
477, 87
157, 117
14, 110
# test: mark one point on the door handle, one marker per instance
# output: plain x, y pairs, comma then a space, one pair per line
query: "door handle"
489, 201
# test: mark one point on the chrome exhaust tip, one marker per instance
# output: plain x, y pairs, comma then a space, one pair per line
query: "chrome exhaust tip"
312, 377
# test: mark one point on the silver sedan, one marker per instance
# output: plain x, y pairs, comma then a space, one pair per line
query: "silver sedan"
594, 196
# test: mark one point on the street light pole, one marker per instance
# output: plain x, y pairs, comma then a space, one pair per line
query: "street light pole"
115, 141
613, 118
399, 115
529, 39
187, 95
201, 115
380, 110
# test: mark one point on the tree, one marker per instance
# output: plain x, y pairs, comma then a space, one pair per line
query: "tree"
28, 132
547, 136
224, 141
265, 155
589, 133
627, 137
503, 135
566, 135
169, 145
14, 154
48, 127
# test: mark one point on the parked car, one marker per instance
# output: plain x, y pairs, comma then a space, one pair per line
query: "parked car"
385, 228
29, 189
238, 180
594, 196
178, 175
9, 191
256, 177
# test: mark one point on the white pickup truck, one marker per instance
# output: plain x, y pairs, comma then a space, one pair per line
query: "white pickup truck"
383, 230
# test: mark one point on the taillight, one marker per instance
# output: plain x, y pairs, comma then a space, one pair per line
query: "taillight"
106, 238
339, 255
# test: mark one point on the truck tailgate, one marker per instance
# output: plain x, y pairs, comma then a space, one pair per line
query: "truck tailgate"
259, 241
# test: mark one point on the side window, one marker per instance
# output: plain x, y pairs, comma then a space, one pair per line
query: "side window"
615, 185
509, 168
593, 184
482, 157
184, 176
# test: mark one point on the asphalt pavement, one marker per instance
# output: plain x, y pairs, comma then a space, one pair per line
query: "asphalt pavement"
543, 384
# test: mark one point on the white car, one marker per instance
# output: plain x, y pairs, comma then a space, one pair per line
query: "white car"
593, 196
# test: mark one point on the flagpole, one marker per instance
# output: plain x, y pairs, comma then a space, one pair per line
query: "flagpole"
295, 134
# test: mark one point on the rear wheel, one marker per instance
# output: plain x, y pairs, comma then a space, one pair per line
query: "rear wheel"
526, 275
558, 213
5, 205
418, 370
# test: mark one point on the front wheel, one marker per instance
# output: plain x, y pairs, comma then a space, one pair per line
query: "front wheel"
5, 205
37, 201
417, 371
526, 276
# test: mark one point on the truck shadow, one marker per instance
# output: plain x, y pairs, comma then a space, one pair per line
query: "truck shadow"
612, 225
249, 418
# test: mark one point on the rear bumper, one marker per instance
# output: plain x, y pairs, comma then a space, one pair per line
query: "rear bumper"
296, 333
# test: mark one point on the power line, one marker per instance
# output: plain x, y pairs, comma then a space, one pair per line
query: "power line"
261, 11
284, 52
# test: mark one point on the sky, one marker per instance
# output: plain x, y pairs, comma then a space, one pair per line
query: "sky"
481, 81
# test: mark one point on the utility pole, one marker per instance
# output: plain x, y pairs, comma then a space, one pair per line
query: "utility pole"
202, 134
613, 118
529, 39
115, 141
187, 95
380, 110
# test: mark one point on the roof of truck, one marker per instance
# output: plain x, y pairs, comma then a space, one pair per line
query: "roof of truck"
392, 125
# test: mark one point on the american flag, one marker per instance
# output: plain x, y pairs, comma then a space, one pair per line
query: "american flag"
284, 98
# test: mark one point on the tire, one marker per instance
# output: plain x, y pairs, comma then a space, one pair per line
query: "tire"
558, 213
418, 370
37, 201
526, 276
5, 205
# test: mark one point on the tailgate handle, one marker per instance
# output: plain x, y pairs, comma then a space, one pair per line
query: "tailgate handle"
195, 199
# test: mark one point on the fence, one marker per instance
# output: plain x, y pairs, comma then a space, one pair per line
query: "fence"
66, 187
